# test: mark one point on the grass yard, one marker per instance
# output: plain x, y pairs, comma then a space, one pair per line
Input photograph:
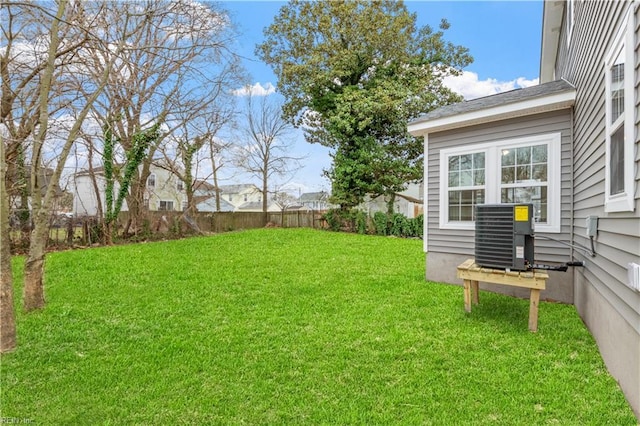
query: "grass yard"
292, 326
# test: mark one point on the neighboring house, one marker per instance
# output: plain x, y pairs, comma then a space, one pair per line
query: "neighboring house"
164, 191
315, 200
407, 202
238, 195
61, 198
205, 198
569, 146
256, 206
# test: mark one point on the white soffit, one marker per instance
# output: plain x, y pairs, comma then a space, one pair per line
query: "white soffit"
551, 26
538, 105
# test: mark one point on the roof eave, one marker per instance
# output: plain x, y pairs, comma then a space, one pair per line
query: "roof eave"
554, 102
551, 24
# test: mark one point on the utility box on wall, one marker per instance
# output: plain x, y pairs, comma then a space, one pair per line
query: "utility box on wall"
504, 236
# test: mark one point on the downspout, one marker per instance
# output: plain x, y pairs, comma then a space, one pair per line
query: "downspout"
571, 199
425, 190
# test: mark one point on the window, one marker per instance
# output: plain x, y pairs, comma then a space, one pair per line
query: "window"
524, 170
165, 206
523, 177
179, 185
466, 185
245, 198
151, 181
619, 71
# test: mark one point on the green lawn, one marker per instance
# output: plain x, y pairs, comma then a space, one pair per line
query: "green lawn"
292, 326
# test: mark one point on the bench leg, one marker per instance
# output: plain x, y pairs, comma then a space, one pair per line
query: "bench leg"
467, 295
475, 293
534, 300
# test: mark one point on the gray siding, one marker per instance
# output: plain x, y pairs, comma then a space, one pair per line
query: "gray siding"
618, 241
461, 242
608, 306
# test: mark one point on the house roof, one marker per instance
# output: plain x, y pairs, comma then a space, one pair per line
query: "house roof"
545, 97
238, 188
251, 205
224, 205
203, 185
313, 196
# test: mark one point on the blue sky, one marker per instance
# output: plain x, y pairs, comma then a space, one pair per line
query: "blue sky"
504, 38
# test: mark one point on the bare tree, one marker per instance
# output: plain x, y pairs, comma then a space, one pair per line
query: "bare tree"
80, 104
177, 47
7, 315
197, 132
266, 144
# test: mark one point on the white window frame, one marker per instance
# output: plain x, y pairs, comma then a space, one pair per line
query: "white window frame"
166, 202
492, 194
151, 180
624, 40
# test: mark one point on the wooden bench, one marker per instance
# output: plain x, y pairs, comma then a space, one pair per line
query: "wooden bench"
472, 274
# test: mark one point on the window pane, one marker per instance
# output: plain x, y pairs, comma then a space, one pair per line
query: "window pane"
523, 155
616, 162
539, 173
454, 205
478, 177
507, 195
466, 212
462, 204
539, 154
523, 173
454, 163
617, 88
478, 160
466, 178
466, 162
508, 157
508, 174
454, 179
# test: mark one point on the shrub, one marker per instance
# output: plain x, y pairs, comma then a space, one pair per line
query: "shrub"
400, 225
360, 221
380, 223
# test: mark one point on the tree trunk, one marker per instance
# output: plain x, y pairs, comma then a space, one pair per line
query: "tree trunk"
7, 314
34, 265
265, 193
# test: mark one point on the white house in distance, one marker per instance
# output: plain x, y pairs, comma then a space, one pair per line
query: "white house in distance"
570, 146
205, 198
408, 202
242, 195
164, 191
315, 200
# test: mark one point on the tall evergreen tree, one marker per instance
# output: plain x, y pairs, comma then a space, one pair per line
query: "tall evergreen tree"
353, 73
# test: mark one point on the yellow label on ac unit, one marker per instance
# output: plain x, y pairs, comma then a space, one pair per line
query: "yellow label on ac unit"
521, 213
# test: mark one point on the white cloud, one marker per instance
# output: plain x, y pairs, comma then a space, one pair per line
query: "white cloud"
470, 87
256, 90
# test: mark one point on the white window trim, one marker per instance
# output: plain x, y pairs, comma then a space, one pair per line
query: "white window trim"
492, 178
622, 202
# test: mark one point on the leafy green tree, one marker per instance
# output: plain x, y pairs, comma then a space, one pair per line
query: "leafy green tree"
353, 73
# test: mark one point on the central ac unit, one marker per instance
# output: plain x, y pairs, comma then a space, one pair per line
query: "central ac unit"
504, 236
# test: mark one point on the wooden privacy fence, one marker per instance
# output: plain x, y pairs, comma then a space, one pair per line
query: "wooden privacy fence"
68, 232
159, 221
